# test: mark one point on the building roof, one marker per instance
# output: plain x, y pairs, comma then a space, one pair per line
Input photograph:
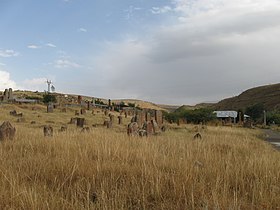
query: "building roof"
226, 114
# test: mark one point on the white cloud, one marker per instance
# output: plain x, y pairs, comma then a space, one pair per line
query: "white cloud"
64, 63
6, 81
216, 49
82, 30
8, 53
35, 84
50, 45
2, 64
32, 46
161, 10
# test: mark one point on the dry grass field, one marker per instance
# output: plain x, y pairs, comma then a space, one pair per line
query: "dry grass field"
230, 168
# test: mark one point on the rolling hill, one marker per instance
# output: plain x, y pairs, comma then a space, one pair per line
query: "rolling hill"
268, 95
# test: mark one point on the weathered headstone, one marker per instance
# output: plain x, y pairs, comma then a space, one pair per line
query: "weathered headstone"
73, 120
85, 129
77, 113
106, 112
83, 111
63, 128
80, 122
79, 99
10, 94
159, 117
108, 124
6, 95
7, 131
148, 117
50, 108
155, 127
48, 131
112, 118
132, 129
13, 113
149, 128
120, 119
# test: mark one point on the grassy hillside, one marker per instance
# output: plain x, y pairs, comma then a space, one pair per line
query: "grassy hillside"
268, 95
230, 168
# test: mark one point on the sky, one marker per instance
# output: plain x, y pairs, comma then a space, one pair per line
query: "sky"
163, 51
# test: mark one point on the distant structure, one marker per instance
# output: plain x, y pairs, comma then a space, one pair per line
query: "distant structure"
50, 86
7, 95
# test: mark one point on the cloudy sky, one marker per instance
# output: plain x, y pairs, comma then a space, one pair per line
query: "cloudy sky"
164, 51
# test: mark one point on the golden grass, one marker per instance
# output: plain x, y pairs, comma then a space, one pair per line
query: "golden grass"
230, 168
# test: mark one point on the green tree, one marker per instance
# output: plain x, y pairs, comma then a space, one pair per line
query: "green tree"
255, 111
47, 98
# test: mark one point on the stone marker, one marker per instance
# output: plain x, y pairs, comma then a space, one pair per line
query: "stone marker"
73, 120
155, 127
112, 118
80, 122
120, 119
83, 111
149, 128
132, 129
85, 129
158, 117
50, 108
48, 131
63, 128
77, 113
13, 113
7, 131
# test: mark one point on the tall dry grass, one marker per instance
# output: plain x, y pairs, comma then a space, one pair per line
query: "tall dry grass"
230, 168
108, 170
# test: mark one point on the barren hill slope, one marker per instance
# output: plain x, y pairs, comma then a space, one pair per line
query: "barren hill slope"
268, 95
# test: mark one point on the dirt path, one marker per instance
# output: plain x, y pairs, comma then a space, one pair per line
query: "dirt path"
273, 137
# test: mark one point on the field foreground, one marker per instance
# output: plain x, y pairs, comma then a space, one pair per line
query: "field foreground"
230, 168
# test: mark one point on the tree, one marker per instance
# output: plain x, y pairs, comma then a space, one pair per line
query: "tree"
255, 111
47, 98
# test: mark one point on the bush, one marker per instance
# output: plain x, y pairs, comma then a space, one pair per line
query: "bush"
47, 98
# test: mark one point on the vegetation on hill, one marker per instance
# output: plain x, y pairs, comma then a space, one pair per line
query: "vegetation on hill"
201, 115
268, 96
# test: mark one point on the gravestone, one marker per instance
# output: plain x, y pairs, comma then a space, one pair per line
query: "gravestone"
120, 120
50, 108
83, 111
80, 122
155, 127
112, 118
73, 120
48, 131
159, 117
7, 131
148, 117
132, 129
77, 113
149, 128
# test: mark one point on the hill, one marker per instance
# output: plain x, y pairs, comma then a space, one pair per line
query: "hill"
268, 95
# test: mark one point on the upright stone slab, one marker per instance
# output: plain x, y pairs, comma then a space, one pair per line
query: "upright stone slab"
149, 128
159, 117
6, 95
73, 120
80, 122
50, 108
48, 131
132, 129
83, 111
155, 127
112, 118
7, 131
10, 94
120, 120
106, 112
148, 117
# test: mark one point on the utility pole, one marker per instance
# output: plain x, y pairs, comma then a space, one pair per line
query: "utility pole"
264, 117
49, 82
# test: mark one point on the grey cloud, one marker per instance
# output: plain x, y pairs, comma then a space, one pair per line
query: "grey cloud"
202, 59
